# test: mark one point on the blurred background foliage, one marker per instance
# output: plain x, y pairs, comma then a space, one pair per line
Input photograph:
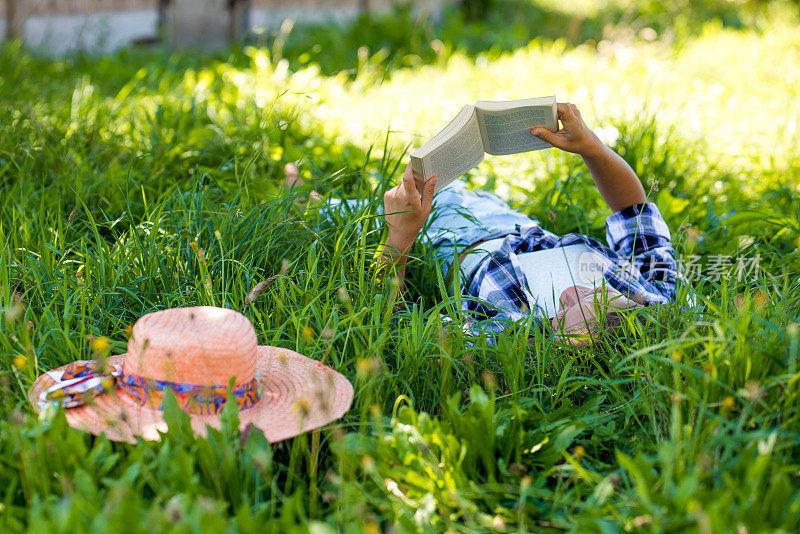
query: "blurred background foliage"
405, 37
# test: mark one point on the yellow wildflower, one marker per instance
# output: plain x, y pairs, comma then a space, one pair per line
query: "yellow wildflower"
101, 344
367, 366
302, 406
761, 299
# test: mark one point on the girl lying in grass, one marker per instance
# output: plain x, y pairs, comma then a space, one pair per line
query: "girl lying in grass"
510, 267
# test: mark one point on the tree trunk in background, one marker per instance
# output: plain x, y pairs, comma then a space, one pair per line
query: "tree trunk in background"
363, 6
203, 24
162, 17
13, 20
240, 18
476, 9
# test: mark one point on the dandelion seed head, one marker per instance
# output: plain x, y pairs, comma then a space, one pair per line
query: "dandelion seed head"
368, 462
488, 379
793, 330
17, 418
343, 295
753, 390
16, 308
498, 523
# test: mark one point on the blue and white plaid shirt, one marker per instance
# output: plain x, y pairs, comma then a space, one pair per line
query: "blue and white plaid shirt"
642, 265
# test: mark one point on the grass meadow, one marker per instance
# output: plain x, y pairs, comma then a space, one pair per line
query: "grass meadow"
116, 171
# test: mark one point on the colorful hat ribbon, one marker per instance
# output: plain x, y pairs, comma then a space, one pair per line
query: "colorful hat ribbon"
81, 381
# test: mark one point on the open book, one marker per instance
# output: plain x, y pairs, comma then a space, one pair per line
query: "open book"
496, 128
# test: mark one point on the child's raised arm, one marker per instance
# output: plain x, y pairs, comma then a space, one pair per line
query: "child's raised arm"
614, 178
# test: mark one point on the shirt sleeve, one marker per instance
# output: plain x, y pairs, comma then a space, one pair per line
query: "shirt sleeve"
640, 235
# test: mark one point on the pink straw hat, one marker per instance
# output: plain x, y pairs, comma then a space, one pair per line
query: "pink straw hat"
195, 352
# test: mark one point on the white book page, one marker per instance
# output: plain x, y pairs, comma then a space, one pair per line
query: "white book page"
420, 162
460, 152
501, 105
549, 272
507, 131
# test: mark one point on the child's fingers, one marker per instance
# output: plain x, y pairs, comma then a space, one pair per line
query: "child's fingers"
409, 184
290, 169
561, 108
565, 114
418, 181
427, 193
549, 137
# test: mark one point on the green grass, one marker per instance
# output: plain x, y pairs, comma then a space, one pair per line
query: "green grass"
111, 168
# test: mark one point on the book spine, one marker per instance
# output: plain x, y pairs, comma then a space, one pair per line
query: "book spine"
418, 167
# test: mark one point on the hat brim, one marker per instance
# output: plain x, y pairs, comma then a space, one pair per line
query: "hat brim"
298, 394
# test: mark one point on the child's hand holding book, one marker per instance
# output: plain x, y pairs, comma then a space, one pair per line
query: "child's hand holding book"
573, 136
406, 210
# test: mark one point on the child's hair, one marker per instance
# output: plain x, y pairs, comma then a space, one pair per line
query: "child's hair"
616, 317
613, 320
